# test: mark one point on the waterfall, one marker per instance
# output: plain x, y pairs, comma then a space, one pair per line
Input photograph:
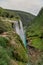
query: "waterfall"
20, 31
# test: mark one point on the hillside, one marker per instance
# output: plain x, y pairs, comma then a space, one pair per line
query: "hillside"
36, 29
35, 39
24, 16
12, 50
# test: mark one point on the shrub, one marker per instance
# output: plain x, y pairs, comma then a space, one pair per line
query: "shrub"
5, 26
4, 60
3, 41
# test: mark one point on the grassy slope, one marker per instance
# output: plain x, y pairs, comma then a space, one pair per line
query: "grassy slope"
35, 31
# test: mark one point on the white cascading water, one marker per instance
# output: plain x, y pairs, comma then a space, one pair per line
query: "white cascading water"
19, 30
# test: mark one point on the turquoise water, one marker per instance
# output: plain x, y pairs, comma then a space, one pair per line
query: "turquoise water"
24, 41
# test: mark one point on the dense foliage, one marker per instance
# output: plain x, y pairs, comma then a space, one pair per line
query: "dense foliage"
35, 37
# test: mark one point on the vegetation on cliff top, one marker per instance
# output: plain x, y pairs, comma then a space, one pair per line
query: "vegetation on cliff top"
25, 17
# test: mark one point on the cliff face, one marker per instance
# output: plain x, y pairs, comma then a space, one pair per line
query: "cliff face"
12, 50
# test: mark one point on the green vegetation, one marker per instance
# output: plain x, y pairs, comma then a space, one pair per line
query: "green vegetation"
5, 26
3, 41
37, 43
4, 58
34, 35
25, 17
35, 31
12, 50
